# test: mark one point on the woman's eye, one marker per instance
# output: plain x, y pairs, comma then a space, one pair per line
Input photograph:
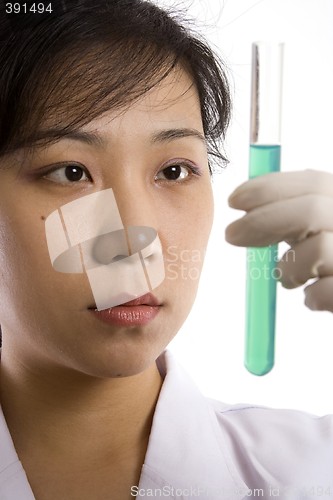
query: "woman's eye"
177, 172
68, 174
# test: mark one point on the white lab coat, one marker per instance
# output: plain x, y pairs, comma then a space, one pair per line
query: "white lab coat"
201, 448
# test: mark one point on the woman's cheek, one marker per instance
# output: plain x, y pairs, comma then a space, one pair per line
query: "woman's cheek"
185, 254
183, 264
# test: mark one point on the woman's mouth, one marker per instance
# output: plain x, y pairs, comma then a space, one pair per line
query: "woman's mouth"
137, 312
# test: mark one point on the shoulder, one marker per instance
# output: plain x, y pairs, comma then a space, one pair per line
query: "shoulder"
265, 448
289, 427
282, 444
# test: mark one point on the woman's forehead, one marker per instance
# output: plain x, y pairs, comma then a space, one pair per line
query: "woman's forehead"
175, 98
174, 95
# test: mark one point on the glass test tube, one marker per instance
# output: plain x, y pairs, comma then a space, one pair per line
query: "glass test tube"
265, 149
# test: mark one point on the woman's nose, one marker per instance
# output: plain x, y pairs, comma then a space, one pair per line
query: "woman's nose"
133, 211
123, 265
135, 203
117, 245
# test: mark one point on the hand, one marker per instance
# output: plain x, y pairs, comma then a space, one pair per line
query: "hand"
296, 207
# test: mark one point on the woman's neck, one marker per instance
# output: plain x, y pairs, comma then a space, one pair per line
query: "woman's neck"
70, 414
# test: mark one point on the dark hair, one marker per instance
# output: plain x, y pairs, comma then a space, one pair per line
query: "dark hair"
89, 56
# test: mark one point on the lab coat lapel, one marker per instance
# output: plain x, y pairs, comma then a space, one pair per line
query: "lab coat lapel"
186, 454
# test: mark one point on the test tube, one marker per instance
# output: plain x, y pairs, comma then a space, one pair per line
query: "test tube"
265, 152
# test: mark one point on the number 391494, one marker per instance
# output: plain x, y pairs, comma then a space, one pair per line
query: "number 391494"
23, 8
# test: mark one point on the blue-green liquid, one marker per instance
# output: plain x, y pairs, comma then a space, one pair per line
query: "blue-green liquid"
261, 280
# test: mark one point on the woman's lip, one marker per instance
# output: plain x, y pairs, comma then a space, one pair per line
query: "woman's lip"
137, 312
148, 300
128, 315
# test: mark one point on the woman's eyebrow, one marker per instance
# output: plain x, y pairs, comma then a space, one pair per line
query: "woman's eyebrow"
177, 133
98, 140
90, 138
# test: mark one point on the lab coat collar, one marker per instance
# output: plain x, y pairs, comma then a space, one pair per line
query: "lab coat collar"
186, 456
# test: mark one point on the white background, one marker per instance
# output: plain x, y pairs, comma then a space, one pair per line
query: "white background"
210, 344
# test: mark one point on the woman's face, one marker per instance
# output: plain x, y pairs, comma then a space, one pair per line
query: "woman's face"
44, 313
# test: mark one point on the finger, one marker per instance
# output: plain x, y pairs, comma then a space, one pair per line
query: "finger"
277, 186
310, 258
319, 295
290, 220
